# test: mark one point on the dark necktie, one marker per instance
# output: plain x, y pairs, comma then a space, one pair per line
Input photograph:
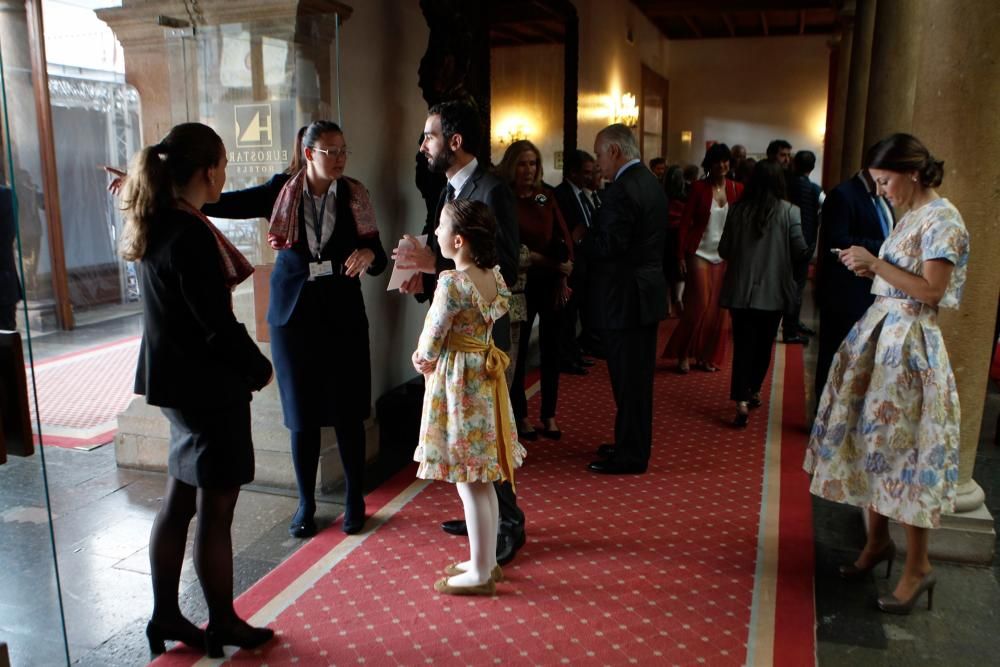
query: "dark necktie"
451, 193
883, 216
596, 200
588, 208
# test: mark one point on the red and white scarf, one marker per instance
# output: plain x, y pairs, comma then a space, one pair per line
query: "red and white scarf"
285, 214
235, 266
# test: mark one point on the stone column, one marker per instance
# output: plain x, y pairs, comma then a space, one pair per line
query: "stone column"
833, 150
955, 114
857, 88
895, 57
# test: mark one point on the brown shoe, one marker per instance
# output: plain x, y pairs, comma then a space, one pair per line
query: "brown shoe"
453, 570
489, 588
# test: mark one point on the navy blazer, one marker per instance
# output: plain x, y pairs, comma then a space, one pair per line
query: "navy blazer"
291, 268
848, 218
194, 352
625, 252
486, 187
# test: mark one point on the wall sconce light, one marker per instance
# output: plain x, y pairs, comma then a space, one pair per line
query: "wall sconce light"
686, 136
625, 111
512, 134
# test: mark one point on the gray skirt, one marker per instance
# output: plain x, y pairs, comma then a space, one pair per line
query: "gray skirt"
211, 448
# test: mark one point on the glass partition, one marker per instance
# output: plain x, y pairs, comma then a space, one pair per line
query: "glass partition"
31, 616
256, 83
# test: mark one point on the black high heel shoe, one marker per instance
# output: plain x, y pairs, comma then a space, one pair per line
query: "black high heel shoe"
354, 518
243, 635
890, 605
888, 553
742, 415
157, 635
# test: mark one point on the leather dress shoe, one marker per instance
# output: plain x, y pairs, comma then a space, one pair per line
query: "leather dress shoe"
806, 331
572, 369
455, 527
613, 467
586, 363
795, 340
606, 451
507, 546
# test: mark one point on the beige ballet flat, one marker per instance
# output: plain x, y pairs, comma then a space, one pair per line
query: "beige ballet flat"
489, 588
496, 574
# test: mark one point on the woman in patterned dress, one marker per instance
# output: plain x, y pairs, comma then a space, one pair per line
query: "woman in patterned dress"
467, 428
886, 435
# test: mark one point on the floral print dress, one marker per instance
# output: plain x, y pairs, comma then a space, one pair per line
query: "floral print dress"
459, 433
886, 434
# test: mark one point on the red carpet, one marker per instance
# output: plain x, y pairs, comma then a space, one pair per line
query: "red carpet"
706, 559
81, 394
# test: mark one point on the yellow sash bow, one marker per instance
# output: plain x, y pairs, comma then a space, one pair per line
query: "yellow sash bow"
496, 363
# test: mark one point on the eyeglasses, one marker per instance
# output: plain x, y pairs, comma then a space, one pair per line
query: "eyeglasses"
333, 152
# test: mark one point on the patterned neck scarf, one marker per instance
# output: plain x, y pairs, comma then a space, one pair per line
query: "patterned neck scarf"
235, 266
285, 214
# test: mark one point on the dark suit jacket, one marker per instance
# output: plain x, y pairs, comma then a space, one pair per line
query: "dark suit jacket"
625, 253
570, 206
10, 285
849, 218
194, 352
291, 268
488, 188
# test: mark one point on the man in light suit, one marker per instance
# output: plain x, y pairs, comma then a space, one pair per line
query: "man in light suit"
452, 135
628, 293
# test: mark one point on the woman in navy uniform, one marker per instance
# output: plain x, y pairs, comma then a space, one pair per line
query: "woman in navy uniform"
323, 225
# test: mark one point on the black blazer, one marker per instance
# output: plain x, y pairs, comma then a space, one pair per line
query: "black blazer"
10, 285
194, 353
488, 188
291, 268
848, 218
570, 206
625, 253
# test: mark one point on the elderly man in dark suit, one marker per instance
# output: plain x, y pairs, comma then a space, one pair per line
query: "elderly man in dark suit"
10, 285
452, 135
853, 214
628, 293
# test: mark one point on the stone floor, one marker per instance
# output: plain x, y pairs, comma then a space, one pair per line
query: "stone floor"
101, 516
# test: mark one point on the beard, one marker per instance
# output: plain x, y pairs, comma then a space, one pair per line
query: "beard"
439, 163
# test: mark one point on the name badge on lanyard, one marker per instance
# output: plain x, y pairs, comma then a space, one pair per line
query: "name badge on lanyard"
320, 269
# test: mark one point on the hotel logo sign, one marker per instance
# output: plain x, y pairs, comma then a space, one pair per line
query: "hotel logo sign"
258, 140
254, 126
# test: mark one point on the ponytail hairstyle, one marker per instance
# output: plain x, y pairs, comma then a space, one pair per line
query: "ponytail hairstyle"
474, 222
310, 134
904, 153
298, 160
154, 173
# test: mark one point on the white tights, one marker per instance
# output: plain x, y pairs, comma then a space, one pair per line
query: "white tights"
481, 518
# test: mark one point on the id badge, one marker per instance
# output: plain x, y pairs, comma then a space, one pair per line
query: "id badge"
320, 269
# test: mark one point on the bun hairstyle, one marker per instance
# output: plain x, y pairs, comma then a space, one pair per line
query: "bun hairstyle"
154, 173
904, 153
474, 222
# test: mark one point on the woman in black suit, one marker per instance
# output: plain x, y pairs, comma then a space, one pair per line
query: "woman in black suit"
199, 365
323, 225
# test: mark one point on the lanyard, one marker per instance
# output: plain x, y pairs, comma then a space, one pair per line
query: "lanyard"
318, 220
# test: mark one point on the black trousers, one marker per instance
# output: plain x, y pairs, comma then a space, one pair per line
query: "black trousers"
793, 313
753, 340
631, 363
511, 516
539, 295
8, 316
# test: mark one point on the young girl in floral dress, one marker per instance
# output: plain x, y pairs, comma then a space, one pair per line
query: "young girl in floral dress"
467, 428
